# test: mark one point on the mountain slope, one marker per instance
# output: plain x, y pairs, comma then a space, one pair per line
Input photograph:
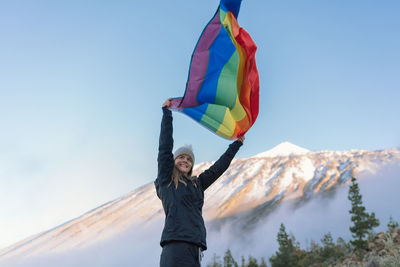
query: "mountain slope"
254, 184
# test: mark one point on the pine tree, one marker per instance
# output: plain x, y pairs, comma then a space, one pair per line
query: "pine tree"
363, 222
284, 257
243, 262
328, 248
263, 263
229, 261
342, 247
252, 262
392, 224
216, 262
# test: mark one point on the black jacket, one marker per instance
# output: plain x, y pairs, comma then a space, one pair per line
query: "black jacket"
183, 205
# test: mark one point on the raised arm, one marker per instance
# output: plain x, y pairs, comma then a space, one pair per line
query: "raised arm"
219, 167
165, 157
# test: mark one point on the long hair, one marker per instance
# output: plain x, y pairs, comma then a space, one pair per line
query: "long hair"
177, 177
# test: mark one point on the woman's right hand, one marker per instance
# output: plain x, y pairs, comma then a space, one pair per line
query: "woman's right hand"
167, 103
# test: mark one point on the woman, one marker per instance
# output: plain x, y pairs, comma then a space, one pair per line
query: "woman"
182, 196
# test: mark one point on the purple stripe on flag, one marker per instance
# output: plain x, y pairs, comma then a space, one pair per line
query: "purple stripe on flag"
199, 63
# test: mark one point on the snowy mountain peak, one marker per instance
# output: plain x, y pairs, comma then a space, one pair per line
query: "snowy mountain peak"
283, 149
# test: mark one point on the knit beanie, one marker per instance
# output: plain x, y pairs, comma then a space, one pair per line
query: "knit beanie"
186, 149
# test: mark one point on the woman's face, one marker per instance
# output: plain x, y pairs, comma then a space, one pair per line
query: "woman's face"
184, 163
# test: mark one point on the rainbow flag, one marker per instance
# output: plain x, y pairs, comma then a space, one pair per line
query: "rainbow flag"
222, 90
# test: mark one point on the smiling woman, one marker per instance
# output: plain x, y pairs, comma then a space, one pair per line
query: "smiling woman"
184, 160
184, 236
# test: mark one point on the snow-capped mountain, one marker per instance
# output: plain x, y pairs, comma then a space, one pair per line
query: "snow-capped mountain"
283, 149
252, 186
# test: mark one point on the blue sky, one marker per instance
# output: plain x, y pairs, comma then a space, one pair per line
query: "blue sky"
82, 82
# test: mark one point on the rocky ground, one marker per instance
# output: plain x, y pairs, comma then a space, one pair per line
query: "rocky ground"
384, 251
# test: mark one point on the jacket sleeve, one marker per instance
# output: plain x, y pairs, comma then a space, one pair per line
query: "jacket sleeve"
165, 157
219, 167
